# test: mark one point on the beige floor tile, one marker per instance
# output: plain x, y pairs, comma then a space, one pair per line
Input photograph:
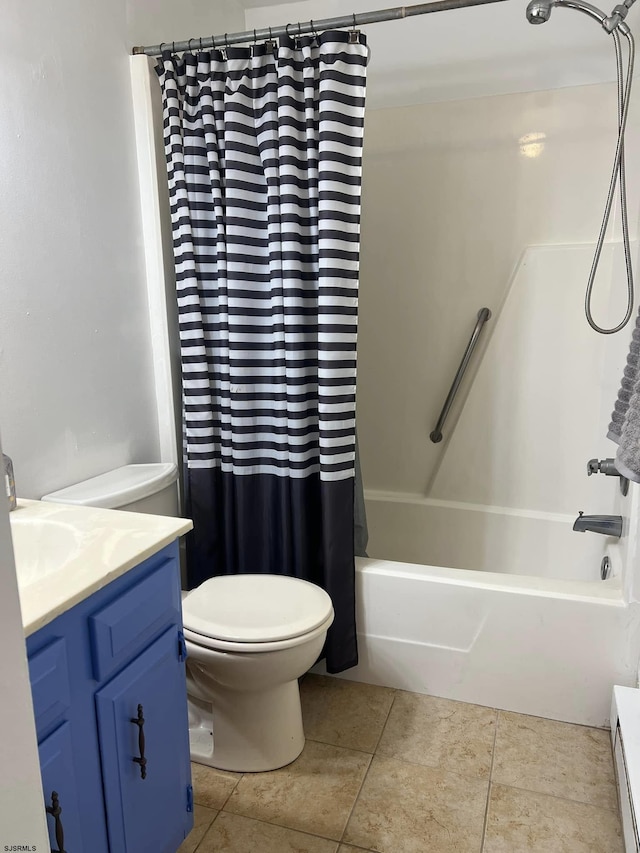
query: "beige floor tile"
235, 834
529, 822
344, 713
348, 848
314, 794
203, 818
453, 736
559, 759
415, 809
212, 787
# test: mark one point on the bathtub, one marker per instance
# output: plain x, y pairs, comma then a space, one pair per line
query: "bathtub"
496, 607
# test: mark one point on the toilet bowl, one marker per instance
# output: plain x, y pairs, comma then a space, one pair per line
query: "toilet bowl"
249, 638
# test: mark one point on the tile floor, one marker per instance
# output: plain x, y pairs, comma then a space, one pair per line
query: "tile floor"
394, 772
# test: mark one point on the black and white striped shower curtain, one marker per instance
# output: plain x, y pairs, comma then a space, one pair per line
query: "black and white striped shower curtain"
264, 153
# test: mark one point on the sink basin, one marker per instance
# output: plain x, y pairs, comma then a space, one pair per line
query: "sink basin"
42, 546
65, 553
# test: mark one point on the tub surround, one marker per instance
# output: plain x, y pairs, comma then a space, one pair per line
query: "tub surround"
64, 554
471, 163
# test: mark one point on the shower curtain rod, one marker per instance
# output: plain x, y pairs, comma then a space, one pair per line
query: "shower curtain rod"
299, 29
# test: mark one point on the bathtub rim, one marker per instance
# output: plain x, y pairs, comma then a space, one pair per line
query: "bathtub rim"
608, 592
380, 495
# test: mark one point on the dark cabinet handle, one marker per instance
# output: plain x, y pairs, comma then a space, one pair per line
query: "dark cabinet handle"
55, 810
142, 761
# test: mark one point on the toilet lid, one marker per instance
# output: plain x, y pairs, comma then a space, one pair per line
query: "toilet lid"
255, 608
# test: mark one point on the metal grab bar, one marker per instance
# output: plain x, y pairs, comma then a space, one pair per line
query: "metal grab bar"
484, 314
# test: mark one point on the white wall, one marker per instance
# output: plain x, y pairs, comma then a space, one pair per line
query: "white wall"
155, 21
453, 195
22, 816
76, 378
75, 369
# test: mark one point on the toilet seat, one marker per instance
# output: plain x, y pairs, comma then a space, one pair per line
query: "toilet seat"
253, 613
215, 645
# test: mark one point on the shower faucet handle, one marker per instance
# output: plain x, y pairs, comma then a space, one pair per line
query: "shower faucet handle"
608, 468
602, 466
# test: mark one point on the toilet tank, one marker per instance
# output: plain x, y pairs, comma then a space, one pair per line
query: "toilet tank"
151, 488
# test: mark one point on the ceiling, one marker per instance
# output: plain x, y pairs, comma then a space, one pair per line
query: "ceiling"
465, 53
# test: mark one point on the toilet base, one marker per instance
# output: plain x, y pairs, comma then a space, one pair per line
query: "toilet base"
253, 731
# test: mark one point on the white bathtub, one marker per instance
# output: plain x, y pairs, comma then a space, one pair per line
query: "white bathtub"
551, 646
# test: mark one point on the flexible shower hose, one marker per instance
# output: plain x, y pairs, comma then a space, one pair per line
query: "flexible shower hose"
619, 172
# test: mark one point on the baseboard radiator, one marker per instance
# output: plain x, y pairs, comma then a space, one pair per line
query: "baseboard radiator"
625, 733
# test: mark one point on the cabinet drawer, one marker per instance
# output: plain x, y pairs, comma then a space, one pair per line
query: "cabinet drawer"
125, 626
49, 677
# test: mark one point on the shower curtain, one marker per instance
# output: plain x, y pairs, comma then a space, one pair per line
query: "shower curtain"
264, 148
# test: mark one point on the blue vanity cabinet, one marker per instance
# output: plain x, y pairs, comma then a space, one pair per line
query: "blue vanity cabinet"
108, 679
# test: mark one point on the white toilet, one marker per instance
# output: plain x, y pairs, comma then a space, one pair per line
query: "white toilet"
249, 638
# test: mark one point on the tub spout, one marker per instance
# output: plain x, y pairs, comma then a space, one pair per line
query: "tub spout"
608, 525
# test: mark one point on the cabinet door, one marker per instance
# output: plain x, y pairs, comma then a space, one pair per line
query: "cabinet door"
148, 805
56, 767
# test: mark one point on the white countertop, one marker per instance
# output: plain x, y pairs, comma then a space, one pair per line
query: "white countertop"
65, 553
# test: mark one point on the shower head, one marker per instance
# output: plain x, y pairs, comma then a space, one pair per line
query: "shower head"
539, 12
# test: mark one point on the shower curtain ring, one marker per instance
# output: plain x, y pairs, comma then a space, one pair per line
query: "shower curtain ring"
271, 45
354, 35
200, 42
173, 47
295, 43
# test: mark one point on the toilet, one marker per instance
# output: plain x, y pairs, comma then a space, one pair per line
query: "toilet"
249, 638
